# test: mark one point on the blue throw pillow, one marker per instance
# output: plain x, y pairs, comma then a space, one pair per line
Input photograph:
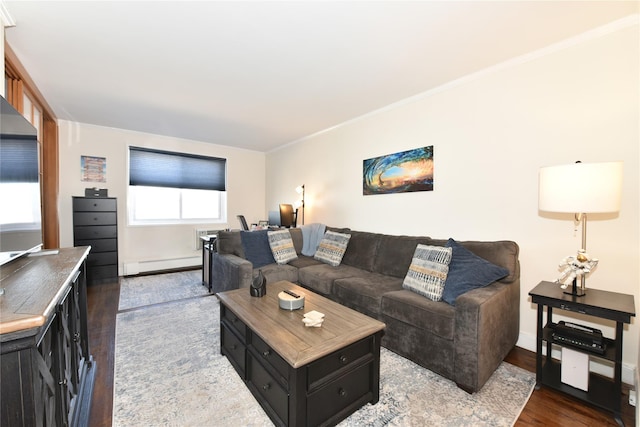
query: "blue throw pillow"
468, 271
256, 248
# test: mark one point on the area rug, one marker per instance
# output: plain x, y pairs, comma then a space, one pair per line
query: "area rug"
139, 291
169, 372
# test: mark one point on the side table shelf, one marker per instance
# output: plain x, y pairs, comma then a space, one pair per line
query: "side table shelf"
603, 392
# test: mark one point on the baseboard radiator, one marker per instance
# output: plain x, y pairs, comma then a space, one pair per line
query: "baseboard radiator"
137, 267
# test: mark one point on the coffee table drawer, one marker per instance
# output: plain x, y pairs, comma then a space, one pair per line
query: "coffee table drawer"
270, 357
234, 349
339, 394
233, 322
319, 369
269, 388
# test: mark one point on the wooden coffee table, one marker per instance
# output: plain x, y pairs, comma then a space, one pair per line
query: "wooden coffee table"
301, 375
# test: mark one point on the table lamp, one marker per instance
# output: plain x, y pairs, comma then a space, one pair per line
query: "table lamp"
580, 188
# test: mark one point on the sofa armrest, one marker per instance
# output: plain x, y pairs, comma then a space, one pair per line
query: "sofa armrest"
230, 272
487, 324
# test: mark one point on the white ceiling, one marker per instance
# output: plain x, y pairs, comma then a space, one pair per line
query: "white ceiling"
259, 75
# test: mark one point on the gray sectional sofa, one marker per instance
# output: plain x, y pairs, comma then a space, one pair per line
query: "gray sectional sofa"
464, 339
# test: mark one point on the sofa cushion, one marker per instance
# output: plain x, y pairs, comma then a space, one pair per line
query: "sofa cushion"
428, 271
296, 237
276, 272
320, 277
305, 261
394, 254
468, 271
413, 309
361, 251
229, 242
332, 248
256, 248
364, 293
281, 246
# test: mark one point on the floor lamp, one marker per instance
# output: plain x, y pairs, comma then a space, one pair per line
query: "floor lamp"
300, 203
580, 188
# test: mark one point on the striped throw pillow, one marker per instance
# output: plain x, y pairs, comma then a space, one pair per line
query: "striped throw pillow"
332, 248
428, 271
282, 246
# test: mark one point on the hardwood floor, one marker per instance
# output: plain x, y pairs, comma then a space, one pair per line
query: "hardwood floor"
545, 407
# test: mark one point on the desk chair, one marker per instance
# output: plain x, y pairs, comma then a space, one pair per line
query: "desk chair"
243, 222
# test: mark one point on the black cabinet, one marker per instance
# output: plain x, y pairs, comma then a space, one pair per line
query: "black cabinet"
95, 224
47, 371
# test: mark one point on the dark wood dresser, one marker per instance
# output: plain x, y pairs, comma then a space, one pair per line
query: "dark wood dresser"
47, 371
95, 224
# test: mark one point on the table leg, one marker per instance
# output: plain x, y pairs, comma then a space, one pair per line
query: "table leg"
539, 348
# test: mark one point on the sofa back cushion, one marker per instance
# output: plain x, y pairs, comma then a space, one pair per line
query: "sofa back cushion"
395, 253
296, 236
361, 250
229, 242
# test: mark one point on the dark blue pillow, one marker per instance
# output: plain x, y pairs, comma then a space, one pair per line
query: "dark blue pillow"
468, 271
256, 248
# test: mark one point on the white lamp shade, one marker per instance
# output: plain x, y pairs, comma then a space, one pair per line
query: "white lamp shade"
580, 188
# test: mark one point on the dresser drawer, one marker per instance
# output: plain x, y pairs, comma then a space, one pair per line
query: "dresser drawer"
102, 258
91, 204
234, 349
329, 364
94, 218
268, 388
344, 391
99, 245
95, 232
271, 358
234, 323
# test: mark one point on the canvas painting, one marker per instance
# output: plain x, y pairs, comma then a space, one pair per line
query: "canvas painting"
401, 172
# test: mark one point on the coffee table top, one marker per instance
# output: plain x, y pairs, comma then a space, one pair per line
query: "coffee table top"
284, 330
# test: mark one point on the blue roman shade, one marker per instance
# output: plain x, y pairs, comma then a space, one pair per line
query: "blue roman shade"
18, 160
156, 168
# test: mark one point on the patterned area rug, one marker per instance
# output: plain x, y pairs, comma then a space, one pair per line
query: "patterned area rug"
169, 372
139, 291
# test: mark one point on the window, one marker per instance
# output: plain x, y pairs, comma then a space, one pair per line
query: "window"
168, 187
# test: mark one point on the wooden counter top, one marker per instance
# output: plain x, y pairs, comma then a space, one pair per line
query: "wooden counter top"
33, 285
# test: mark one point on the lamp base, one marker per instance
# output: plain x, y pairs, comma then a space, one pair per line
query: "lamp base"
575, 290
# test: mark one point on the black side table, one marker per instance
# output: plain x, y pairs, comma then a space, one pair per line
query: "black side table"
208, 248
603, 392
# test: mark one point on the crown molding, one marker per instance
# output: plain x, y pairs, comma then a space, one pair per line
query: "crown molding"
5, 17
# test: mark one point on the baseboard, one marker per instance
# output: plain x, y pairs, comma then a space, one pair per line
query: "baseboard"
599, 366
131, 268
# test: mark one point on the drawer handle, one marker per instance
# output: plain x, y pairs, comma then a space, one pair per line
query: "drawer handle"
342, 392
63, 382
266, 353
266, 387
344, 359
76, 337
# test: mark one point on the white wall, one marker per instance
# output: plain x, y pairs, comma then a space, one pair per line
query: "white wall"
245, 185
491, 133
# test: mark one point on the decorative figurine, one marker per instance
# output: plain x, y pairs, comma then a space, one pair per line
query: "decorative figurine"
573, 267
258, 286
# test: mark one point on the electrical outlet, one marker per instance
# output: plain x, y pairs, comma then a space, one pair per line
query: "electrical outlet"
632, 397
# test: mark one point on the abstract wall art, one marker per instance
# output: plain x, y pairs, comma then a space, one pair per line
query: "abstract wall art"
402, 172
